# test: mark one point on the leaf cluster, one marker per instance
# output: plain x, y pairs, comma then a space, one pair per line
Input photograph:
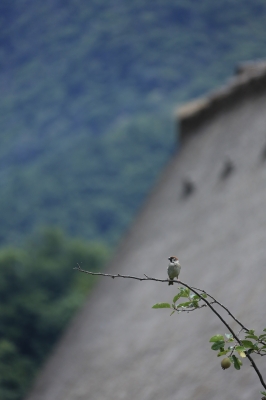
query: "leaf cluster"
193, 301
229, 344
255, 344
219, 343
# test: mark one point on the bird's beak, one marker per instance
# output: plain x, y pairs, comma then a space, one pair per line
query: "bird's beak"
169, 258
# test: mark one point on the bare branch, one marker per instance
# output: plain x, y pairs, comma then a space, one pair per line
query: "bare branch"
192, 308
198, 293
226, 309
147, 278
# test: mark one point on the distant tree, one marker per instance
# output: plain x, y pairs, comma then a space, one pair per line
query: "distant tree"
38, 295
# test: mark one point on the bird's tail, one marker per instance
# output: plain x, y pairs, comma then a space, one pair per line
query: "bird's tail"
171, 283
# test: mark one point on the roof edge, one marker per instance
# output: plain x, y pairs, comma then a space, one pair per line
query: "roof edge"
249, 79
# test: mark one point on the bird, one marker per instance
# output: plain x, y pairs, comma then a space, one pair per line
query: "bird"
173, 269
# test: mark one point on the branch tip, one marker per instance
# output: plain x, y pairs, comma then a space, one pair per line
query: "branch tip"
208, 304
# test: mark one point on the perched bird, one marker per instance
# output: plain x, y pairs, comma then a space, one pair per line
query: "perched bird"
173, 269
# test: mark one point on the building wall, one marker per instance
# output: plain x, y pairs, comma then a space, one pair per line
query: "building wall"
117, 347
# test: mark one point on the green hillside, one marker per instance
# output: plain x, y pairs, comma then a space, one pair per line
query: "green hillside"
87, 93
88, 90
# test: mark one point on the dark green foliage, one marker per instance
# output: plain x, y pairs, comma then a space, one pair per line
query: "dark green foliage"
90, 188
39, 291
87, 88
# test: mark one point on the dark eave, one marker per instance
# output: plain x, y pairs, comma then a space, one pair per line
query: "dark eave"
249, 80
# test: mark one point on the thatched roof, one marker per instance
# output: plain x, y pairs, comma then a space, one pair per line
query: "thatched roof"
249, 80
117, 347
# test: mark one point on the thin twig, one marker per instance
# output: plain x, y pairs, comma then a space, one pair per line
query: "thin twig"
192, 308
195, 291
226, 309
229, 312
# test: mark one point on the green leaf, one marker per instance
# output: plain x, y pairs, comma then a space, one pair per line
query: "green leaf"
248, 344
176, 298
264, 393
195, 303
249, 351
228, 335
185, 305
222, 353
161, 305
240, 348
251, 332
264, 330
194, 296
216, 338
241, 351
262, 336
172, 313
251, 337
184, 292
237, 362
218, 345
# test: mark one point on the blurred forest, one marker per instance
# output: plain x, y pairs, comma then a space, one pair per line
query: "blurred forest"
88, 90
87, 94
39, 292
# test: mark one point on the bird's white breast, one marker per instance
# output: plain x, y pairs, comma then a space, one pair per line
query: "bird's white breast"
173, 269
